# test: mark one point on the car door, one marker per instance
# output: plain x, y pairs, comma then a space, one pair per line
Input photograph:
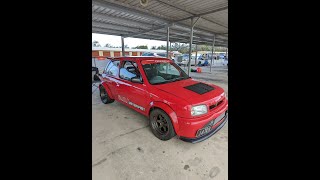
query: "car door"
132, 94
110, 76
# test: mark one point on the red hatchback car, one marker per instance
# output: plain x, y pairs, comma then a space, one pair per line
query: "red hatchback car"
159, 89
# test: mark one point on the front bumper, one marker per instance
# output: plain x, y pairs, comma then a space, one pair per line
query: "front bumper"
215, 129
188, 127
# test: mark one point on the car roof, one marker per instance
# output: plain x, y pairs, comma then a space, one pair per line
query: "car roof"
137, 58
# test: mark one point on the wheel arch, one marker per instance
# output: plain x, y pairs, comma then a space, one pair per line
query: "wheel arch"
107, 89
167, 109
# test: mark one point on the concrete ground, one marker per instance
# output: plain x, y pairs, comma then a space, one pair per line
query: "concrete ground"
123, 146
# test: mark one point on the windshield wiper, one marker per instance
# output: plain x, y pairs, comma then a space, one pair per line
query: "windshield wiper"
172, 80
178, 79
163, 82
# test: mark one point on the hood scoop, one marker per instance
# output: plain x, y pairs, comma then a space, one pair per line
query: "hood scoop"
200, 88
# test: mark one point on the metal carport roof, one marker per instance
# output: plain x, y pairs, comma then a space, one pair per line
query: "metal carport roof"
128, 18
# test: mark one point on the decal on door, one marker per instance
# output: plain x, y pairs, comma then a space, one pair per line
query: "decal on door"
126, 100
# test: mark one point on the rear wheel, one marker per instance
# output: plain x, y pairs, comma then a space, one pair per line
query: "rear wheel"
161, 125
105, 98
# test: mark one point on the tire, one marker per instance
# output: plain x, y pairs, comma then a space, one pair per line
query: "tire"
105, 98
161, 125
96, 77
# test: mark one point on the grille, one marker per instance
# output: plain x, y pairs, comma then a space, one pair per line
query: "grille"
215, 105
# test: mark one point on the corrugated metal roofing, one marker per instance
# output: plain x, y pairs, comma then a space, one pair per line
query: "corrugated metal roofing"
129, 18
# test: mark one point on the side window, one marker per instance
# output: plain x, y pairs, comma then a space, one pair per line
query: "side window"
108, 63
113, 68
129, 70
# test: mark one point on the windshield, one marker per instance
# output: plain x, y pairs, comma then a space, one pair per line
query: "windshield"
161, 72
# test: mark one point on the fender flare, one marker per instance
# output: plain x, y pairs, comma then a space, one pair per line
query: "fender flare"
166, 108
107, 89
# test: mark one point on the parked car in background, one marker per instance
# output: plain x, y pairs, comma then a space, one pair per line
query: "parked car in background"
164, 55
154, 54
185, 59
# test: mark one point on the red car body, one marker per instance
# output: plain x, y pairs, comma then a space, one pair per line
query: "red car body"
173, 98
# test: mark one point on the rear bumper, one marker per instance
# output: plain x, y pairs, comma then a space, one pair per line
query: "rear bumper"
211, 133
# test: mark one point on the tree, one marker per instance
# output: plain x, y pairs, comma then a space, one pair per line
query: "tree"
204, 48
153, 47
141, 47
162, 47
95, 44
108, 45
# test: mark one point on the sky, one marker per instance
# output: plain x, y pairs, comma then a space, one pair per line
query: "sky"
131, 42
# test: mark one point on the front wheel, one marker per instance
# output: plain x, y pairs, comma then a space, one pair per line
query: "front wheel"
161, 125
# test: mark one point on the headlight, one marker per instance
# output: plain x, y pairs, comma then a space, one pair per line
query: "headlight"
198, 110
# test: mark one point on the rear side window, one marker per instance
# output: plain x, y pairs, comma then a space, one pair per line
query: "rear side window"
112, 68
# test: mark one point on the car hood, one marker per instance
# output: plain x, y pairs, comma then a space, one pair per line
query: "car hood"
179, 89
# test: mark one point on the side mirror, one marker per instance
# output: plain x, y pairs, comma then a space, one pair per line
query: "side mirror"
136, 80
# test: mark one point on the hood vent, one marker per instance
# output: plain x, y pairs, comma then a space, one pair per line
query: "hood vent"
200, 88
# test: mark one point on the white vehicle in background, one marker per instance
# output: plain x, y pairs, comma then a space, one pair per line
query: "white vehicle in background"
164, 55
154, 54
185, 59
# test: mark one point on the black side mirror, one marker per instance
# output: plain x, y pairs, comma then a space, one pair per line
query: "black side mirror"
136, 80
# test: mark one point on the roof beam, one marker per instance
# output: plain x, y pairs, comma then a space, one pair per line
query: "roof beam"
195, 30
186, 36
174, 33
118, 20
224, 7
195, 35
146, 31
214, 22
116, 27
181, 27
160, 38
109, 31
104, 32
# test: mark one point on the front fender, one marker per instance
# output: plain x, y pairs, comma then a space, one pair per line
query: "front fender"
166, 108
104, 84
